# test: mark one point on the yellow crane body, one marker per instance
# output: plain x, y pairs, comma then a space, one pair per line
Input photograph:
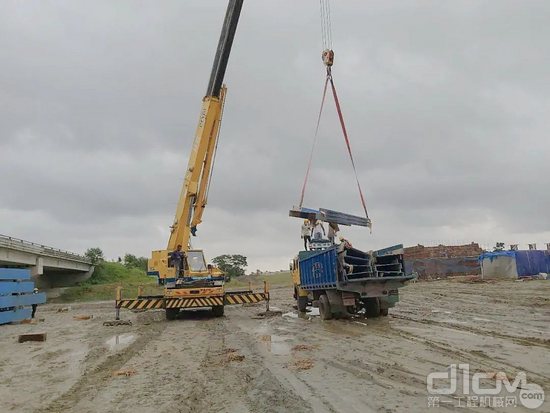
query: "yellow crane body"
190, 282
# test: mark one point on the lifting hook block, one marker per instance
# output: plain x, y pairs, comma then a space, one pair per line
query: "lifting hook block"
328, 57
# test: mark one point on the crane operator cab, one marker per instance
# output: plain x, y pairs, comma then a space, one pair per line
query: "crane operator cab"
186, 269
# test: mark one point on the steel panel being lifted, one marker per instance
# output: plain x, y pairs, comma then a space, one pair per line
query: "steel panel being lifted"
328, 215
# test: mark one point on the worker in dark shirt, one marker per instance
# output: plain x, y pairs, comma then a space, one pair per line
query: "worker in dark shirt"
35, 291
177, 260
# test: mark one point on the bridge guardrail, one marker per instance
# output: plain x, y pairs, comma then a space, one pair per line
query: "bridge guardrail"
39, 249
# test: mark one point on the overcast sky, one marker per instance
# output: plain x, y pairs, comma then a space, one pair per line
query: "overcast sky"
446, 104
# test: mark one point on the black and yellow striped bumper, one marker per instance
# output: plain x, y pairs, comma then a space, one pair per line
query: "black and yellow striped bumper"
245, 298
161, 303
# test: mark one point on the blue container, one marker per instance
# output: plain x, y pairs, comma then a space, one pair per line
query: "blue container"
319, 271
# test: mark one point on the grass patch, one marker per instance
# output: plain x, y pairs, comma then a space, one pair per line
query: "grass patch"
277, 278
235, 283
107, 276
103, 282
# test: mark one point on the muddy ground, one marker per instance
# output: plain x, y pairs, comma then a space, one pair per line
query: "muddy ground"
193, 364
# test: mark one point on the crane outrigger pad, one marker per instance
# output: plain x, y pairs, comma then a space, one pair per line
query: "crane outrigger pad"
328, 215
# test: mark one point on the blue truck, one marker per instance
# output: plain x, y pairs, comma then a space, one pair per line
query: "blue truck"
342, 280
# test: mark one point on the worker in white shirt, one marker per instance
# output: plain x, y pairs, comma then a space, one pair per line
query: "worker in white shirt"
306, 233
319, 230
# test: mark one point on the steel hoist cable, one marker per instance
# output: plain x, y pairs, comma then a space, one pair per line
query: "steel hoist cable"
314, 141
328, 60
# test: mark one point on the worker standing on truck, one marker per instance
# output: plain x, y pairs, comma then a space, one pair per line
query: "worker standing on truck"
177, 260
319, 230
342, 247
306, 233
333, 229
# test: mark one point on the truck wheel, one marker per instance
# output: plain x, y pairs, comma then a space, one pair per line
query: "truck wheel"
218, 310
384, 312
172, 313
324, 308
301, 303
372, 307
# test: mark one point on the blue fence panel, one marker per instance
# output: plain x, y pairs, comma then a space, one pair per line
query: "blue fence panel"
14, 274
532, 262
15, 315
7, 301
319, 271
9, 287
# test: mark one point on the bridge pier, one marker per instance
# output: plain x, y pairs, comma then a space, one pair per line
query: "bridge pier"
38, 269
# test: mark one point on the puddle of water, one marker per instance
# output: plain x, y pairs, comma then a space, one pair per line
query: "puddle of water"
275, 344
278, 348
120, 340
311, 312
482, 319
314, 311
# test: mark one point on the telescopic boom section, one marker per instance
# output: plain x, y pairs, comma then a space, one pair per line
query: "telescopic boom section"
224, 47
194, 192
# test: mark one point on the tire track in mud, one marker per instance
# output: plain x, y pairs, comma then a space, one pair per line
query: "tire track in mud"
349, 385
97, 375
214, 384
271, 388
481, 358
525, 341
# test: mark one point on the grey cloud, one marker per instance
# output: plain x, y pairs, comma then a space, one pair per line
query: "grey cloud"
446, 105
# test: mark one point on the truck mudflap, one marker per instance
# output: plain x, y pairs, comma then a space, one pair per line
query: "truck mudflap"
160, 302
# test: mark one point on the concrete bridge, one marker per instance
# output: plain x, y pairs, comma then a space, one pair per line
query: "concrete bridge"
50, 267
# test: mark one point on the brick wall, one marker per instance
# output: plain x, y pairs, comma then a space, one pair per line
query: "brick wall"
443, 251
443, 260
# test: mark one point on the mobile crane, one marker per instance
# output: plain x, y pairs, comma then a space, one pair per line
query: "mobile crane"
196, 284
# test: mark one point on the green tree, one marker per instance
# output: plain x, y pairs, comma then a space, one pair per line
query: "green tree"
95, 255
131, 261
232, 265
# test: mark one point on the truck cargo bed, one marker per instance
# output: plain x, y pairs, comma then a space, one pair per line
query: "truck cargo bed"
322, 270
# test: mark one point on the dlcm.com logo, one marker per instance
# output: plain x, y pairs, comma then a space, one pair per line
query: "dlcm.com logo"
502, 391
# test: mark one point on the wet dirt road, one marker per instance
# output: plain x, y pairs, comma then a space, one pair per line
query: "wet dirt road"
291, 363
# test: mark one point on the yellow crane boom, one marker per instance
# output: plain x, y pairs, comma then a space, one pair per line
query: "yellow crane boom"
194, 193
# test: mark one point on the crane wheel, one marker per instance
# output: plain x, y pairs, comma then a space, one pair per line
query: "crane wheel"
218, 310
324, 307
172, 313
